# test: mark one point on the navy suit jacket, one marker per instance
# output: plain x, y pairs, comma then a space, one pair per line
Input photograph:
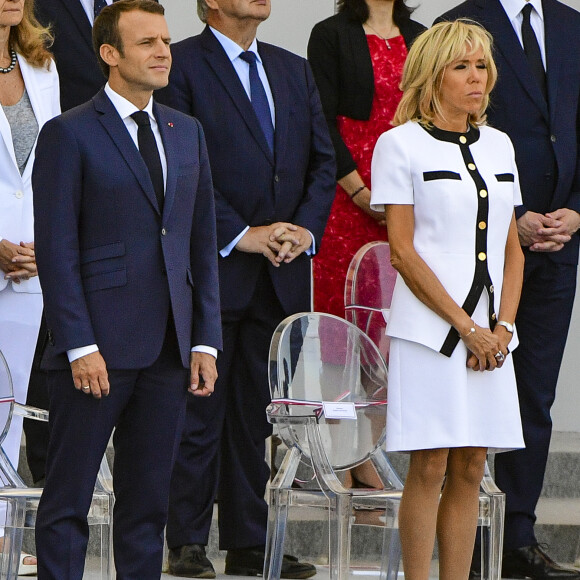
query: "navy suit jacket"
545, 135
252, 186
111, 267
76, 62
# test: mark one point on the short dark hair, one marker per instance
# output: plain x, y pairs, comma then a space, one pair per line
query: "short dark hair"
359, 10
106, 27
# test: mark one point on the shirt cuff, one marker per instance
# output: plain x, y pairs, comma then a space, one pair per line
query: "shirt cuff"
312, 249
75, 353
225, 252
207, 349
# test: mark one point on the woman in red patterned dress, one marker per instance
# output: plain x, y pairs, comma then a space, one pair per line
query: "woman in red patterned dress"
357, 58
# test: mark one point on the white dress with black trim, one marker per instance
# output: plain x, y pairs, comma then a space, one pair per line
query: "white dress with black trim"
463, 187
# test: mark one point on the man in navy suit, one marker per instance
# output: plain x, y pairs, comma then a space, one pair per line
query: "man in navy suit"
126, 250
80, 78
273, 167
537, 103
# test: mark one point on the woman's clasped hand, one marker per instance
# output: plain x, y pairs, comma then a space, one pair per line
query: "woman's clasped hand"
487, 349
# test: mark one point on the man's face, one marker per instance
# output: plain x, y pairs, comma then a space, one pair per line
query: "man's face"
241, 9
145, 60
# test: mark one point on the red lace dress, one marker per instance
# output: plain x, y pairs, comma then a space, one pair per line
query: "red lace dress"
348, 226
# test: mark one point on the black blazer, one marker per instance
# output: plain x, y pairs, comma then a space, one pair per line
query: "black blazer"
341, 62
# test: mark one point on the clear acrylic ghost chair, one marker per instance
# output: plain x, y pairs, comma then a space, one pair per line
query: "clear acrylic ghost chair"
317, 360
21, 501
368, 292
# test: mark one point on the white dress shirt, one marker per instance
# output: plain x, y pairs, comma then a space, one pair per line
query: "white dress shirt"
513, 9
125, 109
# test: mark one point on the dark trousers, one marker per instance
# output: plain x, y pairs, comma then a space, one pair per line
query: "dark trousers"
542, 324
223, 444
146, 408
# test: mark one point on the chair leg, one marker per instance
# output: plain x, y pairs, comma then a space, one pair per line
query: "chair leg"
339, 528
13, 531
391, 555
276, 533
493, 554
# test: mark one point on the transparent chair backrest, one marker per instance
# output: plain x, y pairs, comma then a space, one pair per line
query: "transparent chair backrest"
368, 292
317, 358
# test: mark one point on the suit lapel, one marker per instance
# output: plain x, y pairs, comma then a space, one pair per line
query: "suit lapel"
219, 62
165, 126
552, 27
79, 17
506, 42
116, 129
35, 81
281, 93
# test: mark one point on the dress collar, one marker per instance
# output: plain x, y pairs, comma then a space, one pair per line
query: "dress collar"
467, 138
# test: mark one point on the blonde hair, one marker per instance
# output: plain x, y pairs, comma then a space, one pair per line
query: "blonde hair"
430, 54
31, 39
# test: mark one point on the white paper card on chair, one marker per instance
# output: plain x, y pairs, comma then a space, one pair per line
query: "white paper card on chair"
334, 410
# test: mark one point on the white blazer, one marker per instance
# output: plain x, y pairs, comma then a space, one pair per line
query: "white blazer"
412, 167
16, 214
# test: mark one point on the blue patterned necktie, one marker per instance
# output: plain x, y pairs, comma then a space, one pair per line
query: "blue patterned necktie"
259, 99
99, 5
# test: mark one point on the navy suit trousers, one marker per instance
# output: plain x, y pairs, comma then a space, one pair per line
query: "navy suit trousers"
146, 408
542, 323
223, 444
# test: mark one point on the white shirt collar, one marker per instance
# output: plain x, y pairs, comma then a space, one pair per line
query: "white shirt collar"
514, 7
124, 107
233, 50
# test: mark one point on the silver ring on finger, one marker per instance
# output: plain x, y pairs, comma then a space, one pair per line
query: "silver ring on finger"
86, 389
499, 356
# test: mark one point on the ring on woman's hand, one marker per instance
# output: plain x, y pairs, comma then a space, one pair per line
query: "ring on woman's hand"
499, 356
87, 388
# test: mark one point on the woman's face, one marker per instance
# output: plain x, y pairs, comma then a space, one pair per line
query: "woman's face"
11, 12
463, 86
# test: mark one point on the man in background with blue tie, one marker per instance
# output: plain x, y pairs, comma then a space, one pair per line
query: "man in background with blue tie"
127, 258
536, 101
273, 168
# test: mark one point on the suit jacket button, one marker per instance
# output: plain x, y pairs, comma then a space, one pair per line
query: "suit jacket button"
276, 178
50, 337
163, 232
553, 138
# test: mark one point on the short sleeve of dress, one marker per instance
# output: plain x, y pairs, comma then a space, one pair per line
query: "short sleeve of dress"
391, 171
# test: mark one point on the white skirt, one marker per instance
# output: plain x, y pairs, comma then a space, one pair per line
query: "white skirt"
437, 402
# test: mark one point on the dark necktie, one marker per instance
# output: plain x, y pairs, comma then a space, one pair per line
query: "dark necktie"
532, 49
259, 98
99, 5
150, 154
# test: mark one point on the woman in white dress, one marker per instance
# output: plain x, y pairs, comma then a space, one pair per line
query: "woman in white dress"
29, 96
448, 185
